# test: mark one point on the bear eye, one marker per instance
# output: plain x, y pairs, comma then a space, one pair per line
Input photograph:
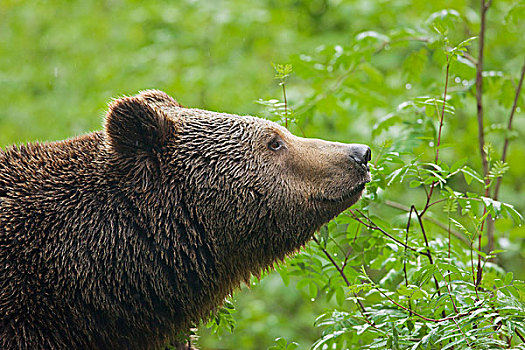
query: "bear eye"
275, 144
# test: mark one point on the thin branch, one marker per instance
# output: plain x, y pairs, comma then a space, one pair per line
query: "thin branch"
285, 105
373, 226
343, 275
442, 112
438, 143
449, 291
420, 220
509, 128
479, 90
386, 43
421, 316
341, 272
472, 267
481, 133
438, 223
519, 335
405, 256
464, 336
470, 58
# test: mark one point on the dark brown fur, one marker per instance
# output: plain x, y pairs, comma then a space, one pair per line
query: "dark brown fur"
124, 238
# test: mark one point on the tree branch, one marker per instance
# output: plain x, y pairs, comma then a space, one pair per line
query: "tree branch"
371, 225
481, 133
509, 128
438, 143
519, 335
343, 275
421, 316
479, 90
438, 223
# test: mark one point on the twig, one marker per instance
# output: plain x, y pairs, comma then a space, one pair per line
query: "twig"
472, 267
285, 106
421, 316
509, 128
427, 253
490, 225
343, 275
479, 91
373, 226
449, 247
442, 111
481, 133
519, 335
341, 272
385, 43
464, 336
405, 256
429, 219
420, 220
433, 185
449, 291
470, 58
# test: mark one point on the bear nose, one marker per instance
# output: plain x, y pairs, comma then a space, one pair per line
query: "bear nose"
360, 154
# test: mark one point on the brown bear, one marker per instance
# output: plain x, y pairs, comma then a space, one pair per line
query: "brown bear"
124, 238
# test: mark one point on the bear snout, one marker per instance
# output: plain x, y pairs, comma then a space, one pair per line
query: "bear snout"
361, 154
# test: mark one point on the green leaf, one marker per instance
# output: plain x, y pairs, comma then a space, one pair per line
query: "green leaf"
414, 183
508, 278
385, 123
340, 295
470, 175
312, 290
282, 71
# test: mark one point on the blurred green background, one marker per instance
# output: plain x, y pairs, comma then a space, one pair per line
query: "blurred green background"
61, 62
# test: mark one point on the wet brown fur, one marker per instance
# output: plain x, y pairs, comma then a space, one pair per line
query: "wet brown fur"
124, 238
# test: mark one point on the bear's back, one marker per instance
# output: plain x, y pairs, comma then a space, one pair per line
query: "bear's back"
38, 186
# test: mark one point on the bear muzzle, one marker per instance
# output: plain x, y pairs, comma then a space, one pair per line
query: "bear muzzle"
360, 154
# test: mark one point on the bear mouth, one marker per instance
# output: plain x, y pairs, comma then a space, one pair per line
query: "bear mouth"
352, 195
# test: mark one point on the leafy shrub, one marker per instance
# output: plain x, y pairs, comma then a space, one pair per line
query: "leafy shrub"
417, 257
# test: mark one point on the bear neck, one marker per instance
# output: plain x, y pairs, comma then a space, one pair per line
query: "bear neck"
192, 238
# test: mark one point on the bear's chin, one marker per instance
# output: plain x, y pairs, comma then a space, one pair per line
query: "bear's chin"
352, 196
348, 197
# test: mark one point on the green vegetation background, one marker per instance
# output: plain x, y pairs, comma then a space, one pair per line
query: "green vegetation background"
61, 63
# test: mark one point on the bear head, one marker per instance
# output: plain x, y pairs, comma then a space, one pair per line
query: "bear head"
243, 187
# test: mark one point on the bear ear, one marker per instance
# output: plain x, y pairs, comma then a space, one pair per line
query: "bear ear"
158, 98
136, 124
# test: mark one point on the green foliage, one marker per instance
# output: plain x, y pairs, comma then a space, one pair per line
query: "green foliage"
222, 320
403, 269
282, 344
412, 285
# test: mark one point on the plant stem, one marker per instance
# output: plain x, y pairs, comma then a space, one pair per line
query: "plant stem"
405, 256
285, 105
481, 133
371, 225
509, 128
343, 275
438, 142
449, 245
519, 335
429, 255
457, 234
442, 112
421, 316
464, 336
479, 91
